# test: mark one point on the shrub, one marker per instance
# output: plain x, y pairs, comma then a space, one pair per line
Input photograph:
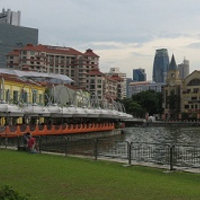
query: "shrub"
7, 193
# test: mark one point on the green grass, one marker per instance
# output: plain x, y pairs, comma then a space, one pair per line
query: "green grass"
53, 177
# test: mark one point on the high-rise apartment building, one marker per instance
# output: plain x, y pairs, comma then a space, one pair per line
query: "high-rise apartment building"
114, 72
184, 69
160, 66
139, 75
83, 68
54, 59
10, 17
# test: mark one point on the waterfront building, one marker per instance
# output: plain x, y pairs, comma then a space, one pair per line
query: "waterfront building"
172, 92
160, 66
184, 69
81, 67
137, 87
101, 86
139, 75
15, 90
120, 86
190, 96
54, 59
115, 72
10, 17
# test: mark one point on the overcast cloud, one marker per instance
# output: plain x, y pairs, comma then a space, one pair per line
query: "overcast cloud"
124, 33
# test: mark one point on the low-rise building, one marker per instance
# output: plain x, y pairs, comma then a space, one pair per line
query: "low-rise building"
137, 87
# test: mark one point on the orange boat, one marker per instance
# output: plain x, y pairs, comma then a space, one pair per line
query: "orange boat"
40, 130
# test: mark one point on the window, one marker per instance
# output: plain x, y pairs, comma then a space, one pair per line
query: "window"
196, 90
15, 96
34, 96
186, 106
8, 95
40, 99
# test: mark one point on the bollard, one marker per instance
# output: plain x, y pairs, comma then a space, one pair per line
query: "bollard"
129, 152
66, 140
171, 148
18, 141
40, 144
95, 149
6, 142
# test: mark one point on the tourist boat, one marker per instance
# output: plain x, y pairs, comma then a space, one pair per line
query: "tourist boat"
10, 110
105, 113
92, 112
80, 112
35, 110
79, 119
55, 110
68, 112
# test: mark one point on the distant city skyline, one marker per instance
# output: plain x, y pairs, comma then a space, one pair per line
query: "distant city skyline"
118, 31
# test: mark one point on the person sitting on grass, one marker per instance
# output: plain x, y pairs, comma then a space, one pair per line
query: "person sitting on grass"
32, 145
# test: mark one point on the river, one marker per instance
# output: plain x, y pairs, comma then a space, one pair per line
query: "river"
171, 135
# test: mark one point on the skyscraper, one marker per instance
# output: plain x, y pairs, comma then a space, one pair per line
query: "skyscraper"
10, 17
184, 69
160, 65
139, 75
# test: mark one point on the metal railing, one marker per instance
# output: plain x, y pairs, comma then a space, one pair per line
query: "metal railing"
170, 155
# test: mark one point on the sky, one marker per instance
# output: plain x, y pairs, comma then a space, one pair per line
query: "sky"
124, 33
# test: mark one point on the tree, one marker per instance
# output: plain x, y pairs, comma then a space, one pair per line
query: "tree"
144, 102
135, 109
150, 101
174, 105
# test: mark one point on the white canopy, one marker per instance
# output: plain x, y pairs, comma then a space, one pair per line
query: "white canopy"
32, 74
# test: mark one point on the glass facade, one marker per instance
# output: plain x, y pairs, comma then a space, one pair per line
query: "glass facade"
160, 66
139, 75
12, 37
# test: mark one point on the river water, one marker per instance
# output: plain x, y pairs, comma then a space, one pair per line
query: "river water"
170, 135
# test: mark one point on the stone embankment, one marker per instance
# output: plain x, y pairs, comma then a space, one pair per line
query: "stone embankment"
171, 123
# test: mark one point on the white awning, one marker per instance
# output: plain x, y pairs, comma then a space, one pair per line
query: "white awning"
32, 74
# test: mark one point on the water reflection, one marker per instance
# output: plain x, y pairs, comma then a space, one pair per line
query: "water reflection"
170, 135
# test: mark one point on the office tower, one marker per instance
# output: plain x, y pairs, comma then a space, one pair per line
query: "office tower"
10, 17
184, 69
128, 81
139, 75
12, 37
160, 65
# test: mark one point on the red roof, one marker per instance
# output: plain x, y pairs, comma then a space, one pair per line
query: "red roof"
16, 52
8, 77
51, 49
95, 72
89, 52
117, 78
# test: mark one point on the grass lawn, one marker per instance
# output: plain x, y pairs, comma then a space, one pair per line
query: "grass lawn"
54, 177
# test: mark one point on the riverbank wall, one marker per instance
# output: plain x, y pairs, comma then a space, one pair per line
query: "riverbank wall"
175, 124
